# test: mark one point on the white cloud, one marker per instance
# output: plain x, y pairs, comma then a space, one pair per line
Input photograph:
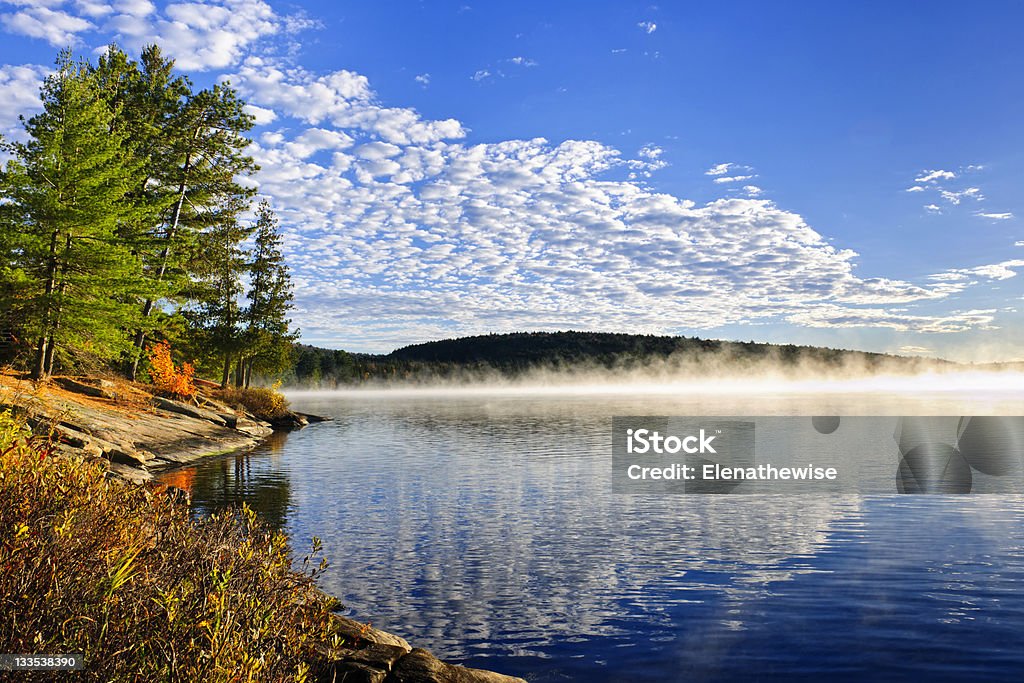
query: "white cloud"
1019, 243
523, 61
529, 234
648, 27
908, 349
396, 227
56, 27
651, 152
954, 197
932, 176
423, 79
480, 75
996, 216
199, 35
933, 208
399, 229
342, 98
260, 115
92, 8
19, 94
915, 188
833, 317
995, 271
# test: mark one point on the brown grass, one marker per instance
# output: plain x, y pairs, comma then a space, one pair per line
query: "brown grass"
265, 403
122, 575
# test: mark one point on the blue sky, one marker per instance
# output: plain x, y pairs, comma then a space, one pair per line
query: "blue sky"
845, 174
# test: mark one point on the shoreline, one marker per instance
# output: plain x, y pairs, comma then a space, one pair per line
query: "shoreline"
135, 435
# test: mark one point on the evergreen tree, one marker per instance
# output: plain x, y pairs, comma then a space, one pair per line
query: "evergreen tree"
192, 147
268, 337
66, 188
214, 309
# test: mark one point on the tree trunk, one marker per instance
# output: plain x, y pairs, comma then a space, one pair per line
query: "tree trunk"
39, 369
227, 371
165, 253
59, 308
248, 372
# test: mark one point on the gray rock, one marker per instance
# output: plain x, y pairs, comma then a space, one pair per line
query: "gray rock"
72, 436
254, 428
353, 672
129, 456
132, 474
310, 418
187, 410
419, 666
355, 632
83, 388
288, 422
371, 663
230, 420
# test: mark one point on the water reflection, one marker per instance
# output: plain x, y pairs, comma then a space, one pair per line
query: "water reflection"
484, 528
254, 477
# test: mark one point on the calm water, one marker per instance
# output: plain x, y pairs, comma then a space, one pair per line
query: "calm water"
482, 526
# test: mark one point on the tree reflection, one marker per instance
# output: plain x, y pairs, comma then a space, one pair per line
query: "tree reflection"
245, 477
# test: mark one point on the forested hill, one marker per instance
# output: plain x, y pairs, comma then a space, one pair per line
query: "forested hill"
511, 355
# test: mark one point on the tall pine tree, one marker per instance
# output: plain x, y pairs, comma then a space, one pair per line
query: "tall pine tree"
268, 336
215, 294
67, 190
205, 159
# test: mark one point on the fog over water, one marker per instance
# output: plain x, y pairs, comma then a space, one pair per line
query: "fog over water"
478, 521
771, 393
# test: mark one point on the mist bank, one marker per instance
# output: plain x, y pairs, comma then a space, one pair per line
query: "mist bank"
564, 359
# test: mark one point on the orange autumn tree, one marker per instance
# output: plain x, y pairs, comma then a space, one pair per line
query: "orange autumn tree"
168, 379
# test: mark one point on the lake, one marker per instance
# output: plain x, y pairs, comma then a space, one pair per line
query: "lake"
480, 524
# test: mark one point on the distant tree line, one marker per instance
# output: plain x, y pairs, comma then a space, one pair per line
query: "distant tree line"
512, 355
121, 223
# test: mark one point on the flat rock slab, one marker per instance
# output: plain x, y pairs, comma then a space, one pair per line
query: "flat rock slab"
96, 390
134, 437
188, 410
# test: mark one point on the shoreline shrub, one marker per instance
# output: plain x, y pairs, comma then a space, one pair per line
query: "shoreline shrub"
123, 576
167, 378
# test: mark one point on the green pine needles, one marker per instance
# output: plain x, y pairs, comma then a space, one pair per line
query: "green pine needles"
123, 221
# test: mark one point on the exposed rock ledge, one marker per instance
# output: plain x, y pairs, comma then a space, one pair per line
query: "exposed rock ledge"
131, 432
134, 434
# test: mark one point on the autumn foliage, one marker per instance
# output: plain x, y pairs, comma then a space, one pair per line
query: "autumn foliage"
168, 379
123, 576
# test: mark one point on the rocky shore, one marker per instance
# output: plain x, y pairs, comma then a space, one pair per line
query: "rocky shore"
134, 434
129, 431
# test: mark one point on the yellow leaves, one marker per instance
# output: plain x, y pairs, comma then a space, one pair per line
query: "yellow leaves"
123, 571
122, 575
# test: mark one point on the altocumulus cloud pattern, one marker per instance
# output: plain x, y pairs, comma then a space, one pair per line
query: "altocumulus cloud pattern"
399, 228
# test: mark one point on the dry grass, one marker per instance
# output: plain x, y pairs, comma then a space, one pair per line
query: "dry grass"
122, 575
265, 403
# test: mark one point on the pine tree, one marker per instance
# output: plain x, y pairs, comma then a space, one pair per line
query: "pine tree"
66, 188
191, 146
215, 295
268, 337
